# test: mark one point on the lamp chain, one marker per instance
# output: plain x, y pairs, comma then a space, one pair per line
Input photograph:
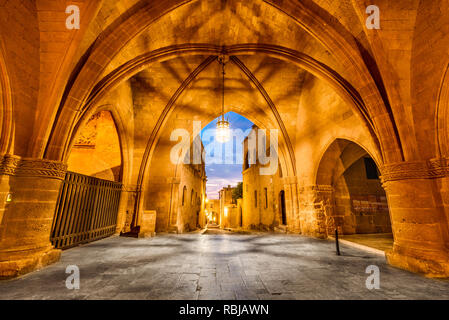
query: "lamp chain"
223, 89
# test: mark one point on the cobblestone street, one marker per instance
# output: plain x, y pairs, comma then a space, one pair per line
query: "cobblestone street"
221, 266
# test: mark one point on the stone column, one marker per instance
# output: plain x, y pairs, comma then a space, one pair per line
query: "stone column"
315, 215
126, 208
203, 203
29, 190
419, 223
174, 195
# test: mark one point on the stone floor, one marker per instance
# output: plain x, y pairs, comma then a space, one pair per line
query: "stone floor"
221, 266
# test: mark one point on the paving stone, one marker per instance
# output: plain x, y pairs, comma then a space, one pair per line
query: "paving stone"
194, 266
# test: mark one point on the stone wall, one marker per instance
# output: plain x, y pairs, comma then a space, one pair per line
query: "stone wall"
261, 208
360, 203
316, 210
97, 151
191, 213
179, 201
226, 205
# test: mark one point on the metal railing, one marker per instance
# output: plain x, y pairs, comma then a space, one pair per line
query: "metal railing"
86, 210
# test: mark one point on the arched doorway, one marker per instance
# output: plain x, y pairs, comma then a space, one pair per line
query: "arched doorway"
282, 207
356, 203
89, 199
241, 216
96, 151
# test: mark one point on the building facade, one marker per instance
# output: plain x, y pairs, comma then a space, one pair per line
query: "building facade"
213, 211
263, 203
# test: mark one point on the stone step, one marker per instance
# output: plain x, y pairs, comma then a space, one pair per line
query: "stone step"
280, 229
172, 229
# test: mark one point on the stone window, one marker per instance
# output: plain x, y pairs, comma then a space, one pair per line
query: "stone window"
184, 190
266, 197
255, 198
371, 169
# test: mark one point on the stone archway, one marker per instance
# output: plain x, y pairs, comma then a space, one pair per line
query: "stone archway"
96, 78
91, 195
318, 209
442, 117
332, 37
287, 160
6, 106
96, 150
342, 86
355, 202
125, 144
122, 132
162, 177
59, 85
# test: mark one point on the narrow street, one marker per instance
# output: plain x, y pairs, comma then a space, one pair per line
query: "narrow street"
221, 266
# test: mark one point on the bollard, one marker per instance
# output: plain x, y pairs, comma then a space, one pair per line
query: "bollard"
337, 245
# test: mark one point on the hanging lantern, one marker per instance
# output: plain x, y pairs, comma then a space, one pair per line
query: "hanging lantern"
223, 132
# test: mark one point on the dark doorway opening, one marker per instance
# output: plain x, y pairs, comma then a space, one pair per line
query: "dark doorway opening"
241, 217
282, 207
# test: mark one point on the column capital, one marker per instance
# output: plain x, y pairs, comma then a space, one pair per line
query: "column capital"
317, 188
427, 169
28, 167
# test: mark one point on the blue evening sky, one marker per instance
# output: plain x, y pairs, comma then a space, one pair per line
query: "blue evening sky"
222, 175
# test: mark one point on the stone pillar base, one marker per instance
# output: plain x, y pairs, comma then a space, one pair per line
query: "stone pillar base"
139, 235
136, 232
438, 267
147, 226
419, 223
146, 235
15, 268
315, 207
